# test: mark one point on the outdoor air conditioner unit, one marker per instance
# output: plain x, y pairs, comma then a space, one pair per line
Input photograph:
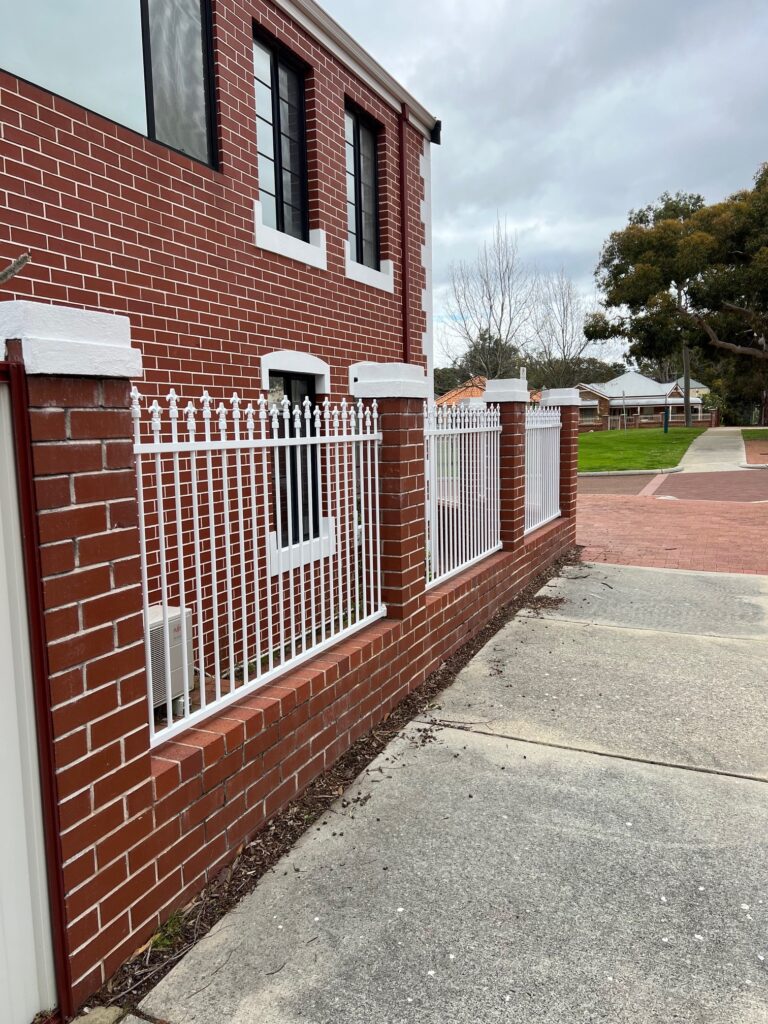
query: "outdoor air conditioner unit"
178, 656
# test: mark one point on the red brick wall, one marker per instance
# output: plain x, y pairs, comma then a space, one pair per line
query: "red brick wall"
569, 459
143, 830
85, 489
403, 536
512, 473
120, 223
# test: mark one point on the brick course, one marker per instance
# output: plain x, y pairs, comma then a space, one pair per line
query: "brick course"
143, 830
120, 223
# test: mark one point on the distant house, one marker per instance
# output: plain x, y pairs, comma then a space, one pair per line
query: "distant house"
634, 394
697, 388
472, 390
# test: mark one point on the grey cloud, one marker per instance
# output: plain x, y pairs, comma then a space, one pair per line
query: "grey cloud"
561, 115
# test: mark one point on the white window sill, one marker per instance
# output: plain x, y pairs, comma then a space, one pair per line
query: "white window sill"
312, 253
294, 556
383, 279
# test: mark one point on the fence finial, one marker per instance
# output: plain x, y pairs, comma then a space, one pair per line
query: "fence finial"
135, 402
156, 413
206, 401
190, 412
173, 404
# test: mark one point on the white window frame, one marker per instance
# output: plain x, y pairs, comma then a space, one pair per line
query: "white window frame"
313, 549
383, 278
289, 361
312, 253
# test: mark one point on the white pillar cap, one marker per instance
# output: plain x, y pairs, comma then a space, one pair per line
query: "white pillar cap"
387, 380
66, 341
513, 389
561, 396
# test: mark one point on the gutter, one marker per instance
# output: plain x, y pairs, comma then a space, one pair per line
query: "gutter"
329, 34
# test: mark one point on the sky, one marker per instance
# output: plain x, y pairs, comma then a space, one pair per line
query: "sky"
559, 116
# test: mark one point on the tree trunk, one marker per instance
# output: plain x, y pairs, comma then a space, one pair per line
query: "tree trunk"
687, 385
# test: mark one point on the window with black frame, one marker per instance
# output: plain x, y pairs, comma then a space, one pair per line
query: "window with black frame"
361, 143
145, 64
281, 139
297, 464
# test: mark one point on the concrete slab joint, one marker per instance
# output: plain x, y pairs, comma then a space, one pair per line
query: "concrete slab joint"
63, 340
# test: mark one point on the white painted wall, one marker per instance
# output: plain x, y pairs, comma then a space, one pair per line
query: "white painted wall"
27, 982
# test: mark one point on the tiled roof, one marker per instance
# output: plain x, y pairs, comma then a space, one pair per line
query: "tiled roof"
474, 388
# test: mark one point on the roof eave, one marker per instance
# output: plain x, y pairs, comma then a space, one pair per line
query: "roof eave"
319, 24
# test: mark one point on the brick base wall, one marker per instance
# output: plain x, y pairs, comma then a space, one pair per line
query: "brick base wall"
142, 830
218, 785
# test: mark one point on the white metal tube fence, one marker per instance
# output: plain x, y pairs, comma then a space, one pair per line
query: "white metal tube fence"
260, 543
542, 466
462, 504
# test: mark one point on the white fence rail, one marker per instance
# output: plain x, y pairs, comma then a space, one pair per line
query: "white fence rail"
260, 544
542, 467
461, 469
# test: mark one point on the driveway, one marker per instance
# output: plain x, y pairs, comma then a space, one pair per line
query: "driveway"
712, 516
715, 536
579, 834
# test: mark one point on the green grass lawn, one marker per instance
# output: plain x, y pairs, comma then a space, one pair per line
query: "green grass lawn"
755, 433
634, 449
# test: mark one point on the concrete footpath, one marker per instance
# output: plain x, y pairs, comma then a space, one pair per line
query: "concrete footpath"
578, 833
717, 450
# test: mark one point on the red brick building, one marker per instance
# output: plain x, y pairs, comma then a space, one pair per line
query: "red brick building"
120, 222
223, 197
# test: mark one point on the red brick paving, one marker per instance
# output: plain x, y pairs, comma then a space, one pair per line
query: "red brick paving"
628, 484
714, 536
741, 485
757, 452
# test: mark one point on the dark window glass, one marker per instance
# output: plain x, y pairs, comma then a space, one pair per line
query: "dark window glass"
296, 466
360, 140
141, 63
281, 140
179, 92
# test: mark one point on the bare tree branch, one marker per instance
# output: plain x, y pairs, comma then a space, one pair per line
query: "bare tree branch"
13, 268
742, 350
558, 328
491, 296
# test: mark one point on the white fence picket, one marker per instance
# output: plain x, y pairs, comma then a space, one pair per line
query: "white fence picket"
542, 466
259, 548
462, 502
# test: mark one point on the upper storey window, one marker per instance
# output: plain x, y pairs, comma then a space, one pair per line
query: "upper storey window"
361, 137
281, 139
142, 63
